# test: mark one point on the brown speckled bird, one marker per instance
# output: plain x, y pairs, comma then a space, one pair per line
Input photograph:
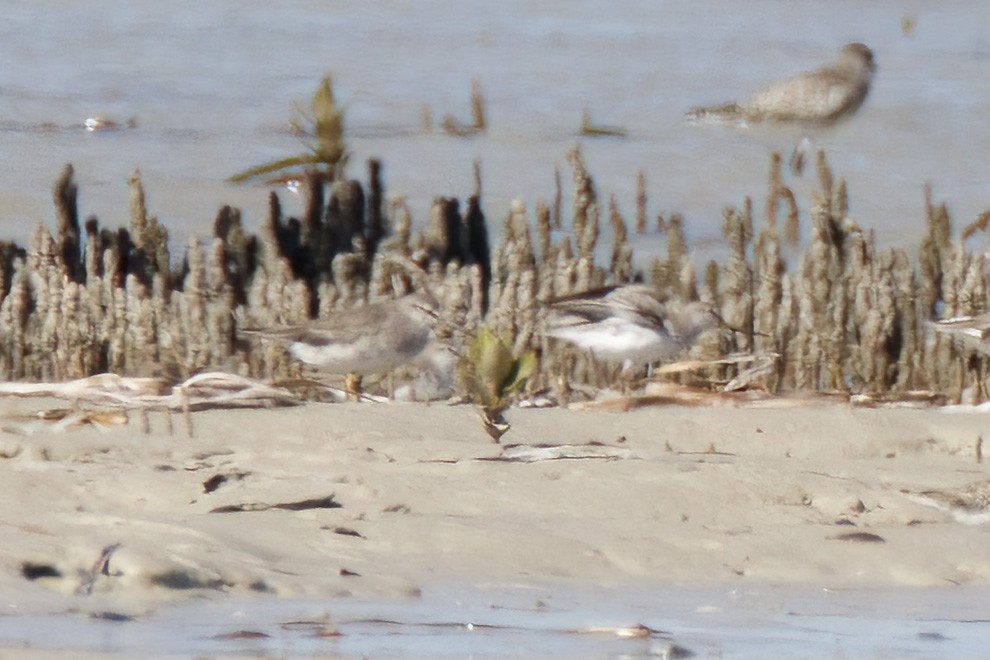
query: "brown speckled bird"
822, 96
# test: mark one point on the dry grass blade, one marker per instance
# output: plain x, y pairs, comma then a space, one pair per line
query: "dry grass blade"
212, 390
110, 385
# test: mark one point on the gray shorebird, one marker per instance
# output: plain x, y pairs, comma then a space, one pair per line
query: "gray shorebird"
822, 96
370, 339
628, 324
973, 332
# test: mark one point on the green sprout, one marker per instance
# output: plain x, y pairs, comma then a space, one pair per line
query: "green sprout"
492, 375
327, 153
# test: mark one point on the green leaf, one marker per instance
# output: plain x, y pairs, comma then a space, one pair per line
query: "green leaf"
489, 364
491, 374
276, 165
329, 151
328, 122
490, 371
524, 366
323, 101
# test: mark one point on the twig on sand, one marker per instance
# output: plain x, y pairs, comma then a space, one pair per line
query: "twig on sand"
534, 453
204, 391
114, 395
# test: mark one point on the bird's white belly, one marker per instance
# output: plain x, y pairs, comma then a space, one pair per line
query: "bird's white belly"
619, 340
370, 355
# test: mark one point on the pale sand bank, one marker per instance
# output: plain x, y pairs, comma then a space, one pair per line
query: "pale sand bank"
766, 508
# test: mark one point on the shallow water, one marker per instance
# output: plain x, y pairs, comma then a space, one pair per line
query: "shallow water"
521, 621
212, 87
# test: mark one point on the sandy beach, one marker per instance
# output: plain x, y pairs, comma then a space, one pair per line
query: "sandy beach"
386, 502
762, 515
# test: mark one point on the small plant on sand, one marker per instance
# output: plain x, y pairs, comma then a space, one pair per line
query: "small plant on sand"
324, 126
492, 375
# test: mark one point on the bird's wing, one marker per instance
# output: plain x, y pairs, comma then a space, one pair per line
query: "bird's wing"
817, 95
577, 312
637, 304
579, 308
634, 303
336, 329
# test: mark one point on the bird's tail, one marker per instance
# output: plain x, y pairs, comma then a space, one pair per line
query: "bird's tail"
729, 112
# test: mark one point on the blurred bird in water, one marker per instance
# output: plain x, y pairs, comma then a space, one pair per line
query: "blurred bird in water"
822, 96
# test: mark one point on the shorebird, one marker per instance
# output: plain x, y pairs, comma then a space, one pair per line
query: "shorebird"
969, 505
370, 339
628, 324
822, 96
972, 332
